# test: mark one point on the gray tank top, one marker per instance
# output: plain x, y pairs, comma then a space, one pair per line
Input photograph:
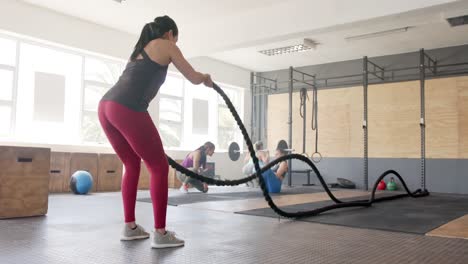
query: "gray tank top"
138, 84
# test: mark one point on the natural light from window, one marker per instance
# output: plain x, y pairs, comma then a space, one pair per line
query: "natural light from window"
50, 95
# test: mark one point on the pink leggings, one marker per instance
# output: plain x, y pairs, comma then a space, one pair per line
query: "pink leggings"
134, 138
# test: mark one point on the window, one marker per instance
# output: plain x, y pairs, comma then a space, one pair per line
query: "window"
170, 111
170, 121
99, 76
173, 86
102, 71
200, 122
200, 115
58, 93
91, 131
5, 120
48, 95
7, 52
190, 115
228, 130
7, 84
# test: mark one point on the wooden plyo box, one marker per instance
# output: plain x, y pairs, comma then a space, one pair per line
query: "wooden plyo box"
109, 173
144, 181
59, 172
86, 162
24, 181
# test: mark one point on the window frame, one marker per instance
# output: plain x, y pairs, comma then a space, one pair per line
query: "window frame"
182, 116
85, 82
12, 102
239, 104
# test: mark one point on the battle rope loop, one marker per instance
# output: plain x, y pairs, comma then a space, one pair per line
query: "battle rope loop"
258, 174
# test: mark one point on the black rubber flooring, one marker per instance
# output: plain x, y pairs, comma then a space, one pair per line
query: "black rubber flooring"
409, 215
197, 197
86, 229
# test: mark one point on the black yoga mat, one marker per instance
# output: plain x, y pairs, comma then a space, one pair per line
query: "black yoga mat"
409, 215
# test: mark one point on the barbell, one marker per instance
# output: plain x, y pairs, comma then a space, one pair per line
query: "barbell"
234, 150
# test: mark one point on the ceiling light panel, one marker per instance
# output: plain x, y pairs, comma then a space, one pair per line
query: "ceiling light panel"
285, 50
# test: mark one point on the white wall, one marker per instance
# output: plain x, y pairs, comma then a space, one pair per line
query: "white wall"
46, 25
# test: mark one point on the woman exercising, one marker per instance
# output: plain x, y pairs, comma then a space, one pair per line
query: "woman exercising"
196, 162
274, 176
262, 155
128, 126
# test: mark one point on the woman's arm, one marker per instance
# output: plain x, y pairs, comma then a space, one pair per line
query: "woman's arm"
186, 69
283, 168
196, 161
247, 157
265, 156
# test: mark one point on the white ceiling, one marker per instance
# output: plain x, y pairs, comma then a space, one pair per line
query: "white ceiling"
429, 30
234, 30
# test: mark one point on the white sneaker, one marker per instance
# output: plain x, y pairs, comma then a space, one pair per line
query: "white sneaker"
184, 188
167, 240
133, 234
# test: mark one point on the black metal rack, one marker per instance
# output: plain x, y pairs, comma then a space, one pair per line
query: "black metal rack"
372, 73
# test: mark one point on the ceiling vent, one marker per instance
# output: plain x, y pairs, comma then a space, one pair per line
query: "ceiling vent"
458, 21
307, 45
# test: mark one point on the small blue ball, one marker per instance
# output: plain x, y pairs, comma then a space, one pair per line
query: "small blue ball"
81, 182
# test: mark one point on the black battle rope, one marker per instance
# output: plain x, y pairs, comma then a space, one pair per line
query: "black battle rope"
258, 174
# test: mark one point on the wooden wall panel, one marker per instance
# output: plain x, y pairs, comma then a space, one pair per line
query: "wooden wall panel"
340, 119
59, 172
24, 178
441, 118
394, 120
334, 131
297, 123
87, 162
277, 119
356, 117
109, 173
394, 114
340, 123
462, 85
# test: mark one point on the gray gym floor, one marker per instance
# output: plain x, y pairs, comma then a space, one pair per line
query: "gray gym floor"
85, 229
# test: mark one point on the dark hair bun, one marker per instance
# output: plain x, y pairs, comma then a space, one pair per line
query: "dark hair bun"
282, 145
159, 20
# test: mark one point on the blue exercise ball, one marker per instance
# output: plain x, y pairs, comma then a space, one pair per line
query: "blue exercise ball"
81, 182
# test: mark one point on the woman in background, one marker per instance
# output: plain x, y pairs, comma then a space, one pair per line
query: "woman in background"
262, 155
196, 162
